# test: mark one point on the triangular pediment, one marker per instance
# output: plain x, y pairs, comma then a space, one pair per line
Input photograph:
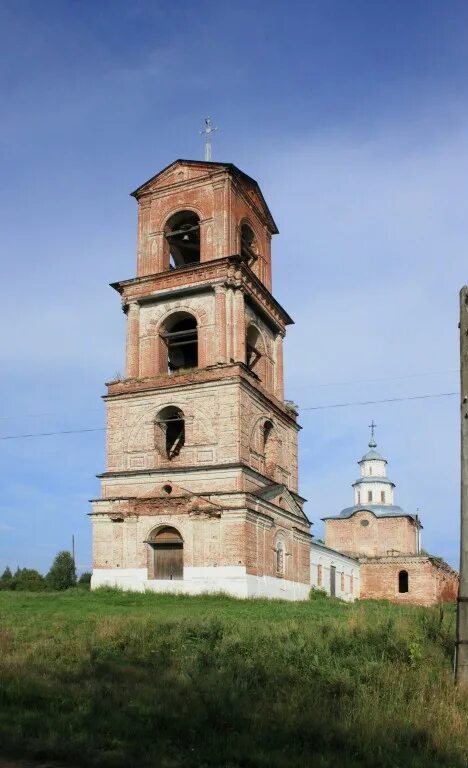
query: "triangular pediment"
280, 496
187, 170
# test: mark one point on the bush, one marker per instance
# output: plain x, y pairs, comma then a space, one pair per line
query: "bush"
85, 580
318, 594
62, 574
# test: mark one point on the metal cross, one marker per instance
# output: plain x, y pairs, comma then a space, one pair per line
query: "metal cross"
206, 132
372, 427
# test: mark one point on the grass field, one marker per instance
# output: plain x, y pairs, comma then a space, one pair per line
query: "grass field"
113, 679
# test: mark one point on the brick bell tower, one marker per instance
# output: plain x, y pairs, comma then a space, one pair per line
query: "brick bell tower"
200, 491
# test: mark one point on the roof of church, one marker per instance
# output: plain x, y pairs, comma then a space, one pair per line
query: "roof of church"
379, 510
372, 455
374, 479
233, 169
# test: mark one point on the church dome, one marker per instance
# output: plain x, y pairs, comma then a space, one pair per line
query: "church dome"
372, 455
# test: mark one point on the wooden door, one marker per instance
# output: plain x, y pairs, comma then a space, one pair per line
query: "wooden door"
168, 561
333, 580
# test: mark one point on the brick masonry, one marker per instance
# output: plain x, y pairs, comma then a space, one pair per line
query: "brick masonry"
230, 492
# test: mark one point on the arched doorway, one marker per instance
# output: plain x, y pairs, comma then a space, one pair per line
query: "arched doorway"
166, 554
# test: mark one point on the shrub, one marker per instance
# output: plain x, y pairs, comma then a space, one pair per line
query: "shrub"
318, 594
62, 574
85, 580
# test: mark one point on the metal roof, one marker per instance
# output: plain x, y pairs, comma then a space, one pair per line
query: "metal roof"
379, 510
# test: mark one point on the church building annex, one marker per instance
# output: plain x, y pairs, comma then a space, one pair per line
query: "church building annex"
382, 542
200, 491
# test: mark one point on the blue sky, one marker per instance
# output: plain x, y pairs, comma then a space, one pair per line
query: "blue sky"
353, 118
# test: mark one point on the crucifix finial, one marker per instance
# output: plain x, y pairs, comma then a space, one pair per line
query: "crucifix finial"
208, 129
372, 427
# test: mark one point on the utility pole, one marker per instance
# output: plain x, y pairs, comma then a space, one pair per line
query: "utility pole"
461, 652
73, 547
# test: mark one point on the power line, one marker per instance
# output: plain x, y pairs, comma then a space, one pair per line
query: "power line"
309, 408
300, 386
374, 402
47, 434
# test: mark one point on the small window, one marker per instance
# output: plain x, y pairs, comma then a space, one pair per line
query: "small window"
342, 585
319, 576
351, 583
403, 582
170, 434
364, 523
369, 495
279, 556
382, 497
359, 497
370, 470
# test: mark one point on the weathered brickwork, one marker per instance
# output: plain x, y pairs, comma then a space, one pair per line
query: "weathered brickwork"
380, 537
386, 542
430, 581
227, 483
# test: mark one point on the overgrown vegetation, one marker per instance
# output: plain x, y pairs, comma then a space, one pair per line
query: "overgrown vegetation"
62, 575
119, 679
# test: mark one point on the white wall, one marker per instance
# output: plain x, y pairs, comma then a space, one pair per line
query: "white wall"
323, 558
233, 580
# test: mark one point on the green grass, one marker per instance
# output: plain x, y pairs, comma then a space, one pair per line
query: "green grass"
114, 680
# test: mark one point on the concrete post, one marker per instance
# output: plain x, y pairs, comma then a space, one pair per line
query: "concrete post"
461, 657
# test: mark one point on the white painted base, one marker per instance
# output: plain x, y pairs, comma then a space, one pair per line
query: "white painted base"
232, 580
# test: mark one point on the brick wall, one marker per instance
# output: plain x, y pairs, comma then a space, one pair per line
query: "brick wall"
429, 582
371, 536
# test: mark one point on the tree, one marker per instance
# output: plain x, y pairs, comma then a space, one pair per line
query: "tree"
62, 574
7, 574
28, 580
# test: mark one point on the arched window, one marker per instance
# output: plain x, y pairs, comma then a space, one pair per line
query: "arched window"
180, 336
403, 581
267, 438
182, 233
255, 352
280, 556
169, 432
166, 549
249, 248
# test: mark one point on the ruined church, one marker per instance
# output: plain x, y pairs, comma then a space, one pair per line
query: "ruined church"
200, 491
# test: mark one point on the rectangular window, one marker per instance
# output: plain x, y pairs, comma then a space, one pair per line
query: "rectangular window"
319, 575
358, 497
351, 584
369, 495
382, 497
342, 582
